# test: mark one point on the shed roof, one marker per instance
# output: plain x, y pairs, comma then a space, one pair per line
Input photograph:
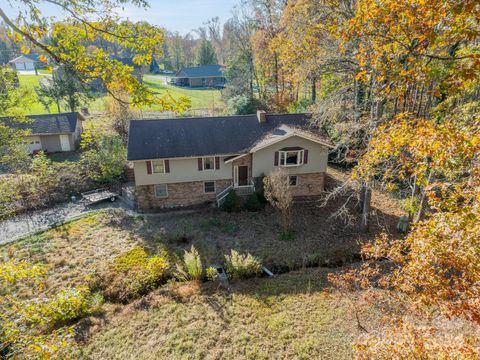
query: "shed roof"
34, 57
49, 124
225, 135
201, 71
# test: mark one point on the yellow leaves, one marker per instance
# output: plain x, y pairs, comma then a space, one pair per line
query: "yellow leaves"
43, 58
361, 75
25, 50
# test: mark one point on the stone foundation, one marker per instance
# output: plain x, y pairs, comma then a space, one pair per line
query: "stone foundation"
192, 193
179, 195
309, 185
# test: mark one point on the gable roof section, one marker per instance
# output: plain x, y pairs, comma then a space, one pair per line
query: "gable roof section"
33, 57
193, 137
49, 124
200, 71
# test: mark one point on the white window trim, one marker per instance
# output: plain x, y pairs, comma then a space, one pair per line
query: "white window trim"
300, 157
155, 191
296, 182
153, 167
214, 163
214, 187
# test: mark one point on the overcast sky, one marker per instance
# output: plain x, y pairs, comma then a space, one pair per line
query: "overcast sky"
175, 15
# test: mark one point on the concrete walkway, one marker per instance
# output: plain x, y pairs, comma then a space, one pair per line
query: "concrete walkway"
31, 222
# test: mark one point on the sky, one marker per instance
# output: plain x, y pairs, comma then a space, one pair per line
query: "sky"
175, 15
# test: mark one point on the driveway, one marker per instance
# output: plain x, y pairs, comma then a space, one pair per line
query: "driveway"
31, 222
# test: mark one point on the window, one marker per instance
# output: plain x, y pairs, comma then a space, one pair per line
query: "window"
209, 163
209, 187
291, 158
161, 191
293, 180
158, 166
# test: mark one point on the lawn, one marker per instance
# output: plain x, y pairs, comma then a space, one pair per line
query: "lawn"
200, 98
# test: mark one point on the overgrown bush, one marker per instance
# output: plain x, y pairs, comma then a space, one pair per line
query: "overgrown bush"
45, 183
192, 267
244, 105
64, 307
132, 274
242, 266
232, 202
253, 203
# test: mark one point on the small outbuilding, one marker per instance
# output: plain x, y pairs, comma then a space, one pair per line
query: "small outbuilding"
200, 76
26, 62
52, 132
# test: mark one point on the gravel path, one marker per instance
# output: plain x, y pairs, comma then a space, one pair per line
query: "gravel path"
25, 224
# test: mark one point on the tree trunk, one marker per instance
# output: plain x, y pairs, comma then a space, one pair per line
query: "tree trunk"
314, 89
423, 202
366, 209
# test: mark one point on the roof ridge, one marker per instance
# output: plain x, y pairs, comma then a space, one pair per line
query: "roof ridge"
218, 117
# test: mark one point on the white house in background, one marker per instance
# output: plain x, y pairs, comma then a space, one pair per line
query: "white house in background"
52, 132
26, 62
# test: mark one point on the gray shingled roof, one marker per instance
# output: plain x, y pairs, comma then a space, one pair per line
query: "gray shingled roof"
61, 123
227, 135
200, 71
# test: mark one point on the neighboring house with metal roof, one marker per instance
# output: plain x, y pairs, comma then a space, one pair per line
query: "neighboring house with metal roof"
52, 132
200, 76
26, 62
183, 162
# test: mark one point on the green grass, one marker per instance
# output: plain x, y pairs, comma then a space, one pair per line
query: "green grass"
200, 98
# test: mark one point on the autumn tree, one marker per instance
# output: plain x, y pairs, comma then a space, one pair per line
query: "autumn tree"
279, 195
72, 36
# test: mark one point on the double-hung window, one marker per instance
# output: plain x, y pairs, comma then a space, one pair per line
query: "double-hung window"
158, 167
209, 163
291, 157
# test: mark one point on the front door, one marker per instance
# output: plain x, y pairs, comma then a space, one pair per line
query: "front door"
242, 175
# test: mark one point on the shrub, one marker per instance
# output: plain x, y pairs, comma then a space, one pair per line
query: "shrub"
244, 105
192, 267
67, 305
253, 203
132, 274
287, 235
240, 266
232, 202
212, 273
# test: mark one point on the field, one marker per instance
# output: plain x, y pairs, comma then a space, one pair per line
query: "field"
200, 98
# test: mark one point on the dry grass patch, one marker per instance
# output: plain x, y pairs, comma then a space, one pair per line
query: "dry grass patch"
289, 316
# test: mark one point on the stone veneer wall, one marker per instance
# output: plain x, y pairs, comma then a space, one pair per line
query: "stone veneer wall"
179, 194
312, 184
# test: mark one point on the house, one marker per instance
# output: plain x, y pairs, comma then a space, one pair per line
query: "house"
52, 132
200, 76
26, 62
183, 162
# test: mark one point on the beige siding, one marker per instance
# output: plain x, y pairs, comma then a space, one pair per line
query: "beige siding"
181, 170
263, 160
